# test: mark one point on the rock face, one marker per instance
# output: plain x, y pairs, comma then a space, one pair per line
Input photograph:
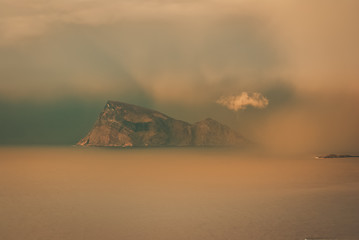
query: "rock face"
127, 125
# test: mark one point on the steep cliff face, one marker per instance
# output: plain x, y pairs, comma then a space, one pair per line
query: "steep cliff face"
127, 125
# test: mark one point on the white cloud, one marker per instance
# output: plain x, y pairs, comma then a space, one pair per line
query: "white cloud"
243, 100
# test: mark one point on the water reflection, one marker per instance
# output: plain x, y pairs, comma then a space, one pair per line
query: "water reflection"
86, 193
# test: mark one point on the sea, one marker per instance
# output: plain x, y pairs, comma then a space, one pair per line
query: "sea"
83, 193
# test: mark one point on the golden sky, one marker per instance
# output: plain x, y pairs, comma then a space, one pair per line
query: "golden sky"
181, 56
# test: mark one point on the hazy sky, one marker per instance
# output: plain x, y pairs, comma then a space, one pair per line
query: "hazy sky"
67, 57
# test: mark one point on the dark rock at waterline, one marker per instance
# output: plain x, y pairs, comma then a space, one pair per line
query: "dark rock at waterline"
336, 156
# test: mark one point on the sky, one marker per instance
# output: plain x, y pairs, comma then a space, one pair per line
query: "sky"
61, 60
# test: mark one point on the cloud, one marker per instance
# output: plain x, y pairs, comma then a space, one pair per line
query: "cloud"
243, 100
25, 19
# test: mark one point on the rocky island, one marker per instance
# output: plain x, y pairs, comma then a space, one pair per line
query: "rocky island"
126, 125
336, 156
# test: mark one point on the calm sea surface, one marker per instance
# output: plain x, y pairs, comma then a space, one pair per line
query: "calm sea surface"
154, 194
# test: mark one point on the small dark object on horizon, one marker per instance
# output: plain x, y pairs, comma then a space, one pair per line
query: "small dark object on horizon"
336, 156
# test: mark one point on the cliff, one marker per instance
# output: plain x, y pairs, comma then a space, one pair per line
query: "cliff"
126, 125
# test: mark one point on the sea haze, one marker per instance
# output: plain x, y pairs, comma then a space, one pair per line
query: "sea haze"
174, 193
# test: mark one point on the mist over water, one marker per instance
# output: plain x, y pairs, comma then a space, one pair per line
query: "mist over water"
170, 193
